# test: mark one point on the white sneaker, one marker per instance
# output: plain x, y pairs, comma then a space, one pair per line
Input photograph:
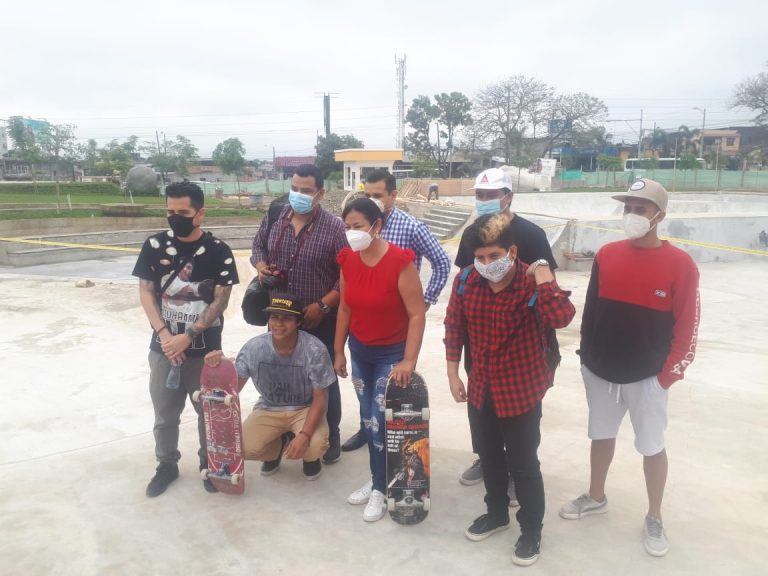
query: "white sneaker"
375, 509
361, 495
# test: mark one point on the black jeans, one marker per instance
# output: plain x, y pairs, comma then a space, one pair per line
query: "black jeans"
520, 435
326, 332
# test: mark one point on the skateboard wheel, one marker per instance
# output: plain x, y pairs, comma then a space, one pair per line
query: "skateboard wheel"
388, 414
196, 396
391, 504
204, 473
228, 399
425, 414
426, 504
235, 479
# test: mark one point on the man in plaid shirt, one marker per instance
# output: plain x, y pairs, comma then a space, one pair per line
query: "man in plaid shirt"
407, 232
504, 305
298, 254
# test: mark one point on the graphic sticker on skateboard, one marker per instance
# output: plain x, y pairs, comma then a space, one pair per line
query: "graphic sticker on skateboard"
223, 427
406, 422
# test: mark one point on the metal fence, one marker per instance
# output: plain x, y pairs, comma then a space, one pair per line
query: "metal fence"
706, 180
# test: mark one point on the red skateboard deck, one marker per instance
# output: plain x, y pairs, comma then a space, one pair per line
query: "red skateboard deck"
406, 424
223, 427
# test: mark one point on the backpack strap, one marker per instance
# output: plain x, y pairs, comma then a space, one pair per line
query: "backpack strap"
463, 279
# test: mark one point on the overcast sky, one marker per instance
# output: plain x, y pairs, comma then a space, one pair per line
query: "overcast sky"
256, 69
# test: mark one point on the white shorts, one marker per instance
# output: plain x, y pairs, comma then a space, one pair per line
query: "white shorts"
646, 401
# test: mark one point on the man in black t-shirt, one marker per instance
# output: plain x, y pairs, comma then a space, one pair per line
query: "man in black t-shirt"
185, 279
493, 195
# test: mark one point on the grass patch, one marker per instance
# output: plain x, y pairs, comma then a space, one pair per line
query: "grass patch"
48, 188
44, 214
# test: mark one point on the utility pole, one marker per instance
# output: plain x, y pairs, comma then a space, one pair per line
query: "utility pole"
400, 75
640, 140
326, 110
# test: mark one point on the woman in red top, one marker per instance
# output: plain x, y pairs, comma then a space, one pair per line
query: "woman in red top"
382, 309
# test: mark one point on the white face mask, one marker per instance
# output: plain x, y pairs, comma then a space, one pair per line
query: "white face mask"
359, 239
636, 226
495, 271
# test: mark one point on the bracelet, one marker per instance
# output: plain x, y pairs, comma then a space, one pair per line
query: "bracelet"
161, 329
306, 434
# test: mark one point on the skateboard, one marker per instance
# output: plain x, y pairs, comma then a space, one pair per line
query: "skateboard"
406, 425
223, 427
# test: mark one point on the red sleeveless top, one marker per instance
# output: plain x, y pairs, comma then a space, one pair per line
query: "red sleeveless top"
378, 314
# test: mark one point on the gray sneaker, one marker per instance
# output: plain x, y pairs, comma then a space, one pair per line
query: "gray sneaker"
472, 475
584, 505
656, 543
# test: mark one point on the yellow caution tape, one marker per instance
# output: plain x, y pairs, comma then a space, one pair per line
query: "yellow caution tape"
686, 241
70, 244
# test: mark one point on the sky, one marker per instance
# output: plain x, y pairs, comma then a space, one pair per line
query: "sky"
256, 70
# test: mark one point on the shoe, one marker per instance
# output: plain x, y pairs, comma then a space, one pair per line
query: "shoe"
361, 495
584, 505
656, 543
312, 470
269, 467
513, 503
485, 526
209, 487
333, 454
472, 475
375, 509
358, 440
526, 550
165, 473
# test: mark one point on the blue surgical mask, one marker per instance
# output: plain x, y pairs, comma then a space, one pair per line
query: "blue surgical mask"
301, 203
488, 206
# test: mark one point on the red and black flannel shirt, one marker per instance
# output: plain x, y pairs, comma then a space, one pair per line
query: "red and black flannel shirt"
506, 342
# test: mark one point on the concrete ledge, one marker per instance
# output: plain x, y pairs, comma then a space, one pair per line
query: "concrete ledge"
123, 210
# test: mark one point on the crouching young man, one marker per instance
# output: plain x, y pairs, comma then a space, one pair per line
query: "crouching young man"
504, 306
292, 370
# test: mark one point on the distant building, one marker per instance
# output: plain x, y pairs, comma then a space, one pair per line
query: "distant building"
286, 165
727, 141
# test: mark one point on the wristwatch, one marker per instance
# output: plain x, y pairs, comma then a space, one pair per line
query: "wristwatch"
539, 262
324, 308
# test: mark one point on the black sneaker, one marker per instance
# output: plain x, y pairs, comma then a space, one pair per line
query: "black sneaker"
166, 473
485, 526
358, 440
312, 469
333, 454
269, 467
209, 487
526, 550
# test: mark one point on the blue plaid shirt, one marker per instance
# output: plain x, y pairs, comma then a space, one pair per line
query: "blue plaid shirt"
405, 231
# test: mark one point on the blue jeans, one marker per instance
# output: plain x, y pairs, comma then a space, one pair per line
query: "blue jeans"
371, 366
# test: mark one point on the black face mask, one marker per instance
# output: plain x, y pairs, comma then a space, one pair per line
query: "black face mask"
182, 226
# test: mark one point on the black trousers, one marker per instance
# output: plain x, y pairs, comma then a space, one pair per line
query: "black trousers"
326, 332
520, 435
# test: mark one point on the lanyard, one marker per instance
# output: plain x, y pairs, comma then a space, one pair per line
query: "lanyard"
303, 234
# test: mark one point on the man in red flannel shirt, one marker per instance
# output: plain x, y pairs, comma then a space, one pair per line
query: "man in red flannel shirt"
638, 335
504, 305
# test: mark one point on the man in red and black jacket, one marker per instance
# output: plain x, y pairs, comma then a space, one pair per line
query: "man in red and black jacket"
638, 335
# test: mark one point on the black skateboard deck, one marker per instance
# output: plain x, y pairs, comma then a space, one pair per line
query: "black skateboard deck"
406, 424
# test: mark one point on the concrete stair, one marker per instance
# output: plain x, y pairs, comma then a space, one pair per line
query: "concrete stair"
445, 221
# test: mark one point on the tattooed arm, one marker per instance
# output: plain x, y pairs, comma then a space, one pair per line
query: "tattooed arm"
213, 311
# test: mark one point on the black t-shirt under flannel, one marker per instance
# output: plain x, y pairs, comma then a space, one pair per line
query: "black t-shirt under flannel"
209, 263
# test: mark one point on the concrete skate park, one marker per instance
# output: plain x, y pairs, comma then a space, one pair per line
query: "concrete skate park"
79, 450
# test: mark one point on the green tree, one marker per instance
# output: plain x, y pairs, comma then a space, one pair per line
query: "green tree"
454, 111
420, 117
326, 148
752, 93
229, 155
688, 162
172, 155
25, 146
609, 163
113, 159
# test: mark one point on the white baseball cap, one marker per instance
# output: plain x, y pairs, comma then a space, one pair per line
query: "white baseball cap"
492, 179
